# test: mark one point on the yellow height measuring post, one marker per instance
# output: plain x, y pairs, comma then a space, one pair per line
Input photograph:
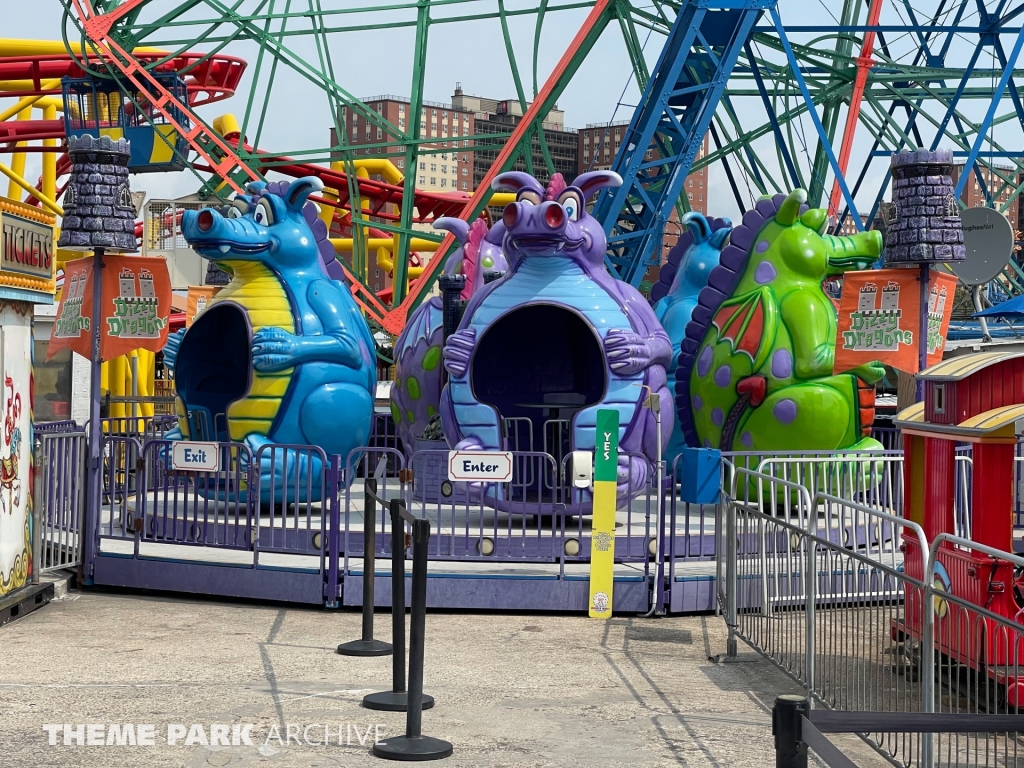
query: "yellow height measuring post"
602, 540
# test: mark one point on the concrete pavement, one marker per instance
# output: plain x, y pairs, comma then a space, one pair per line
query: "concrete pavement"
515, 691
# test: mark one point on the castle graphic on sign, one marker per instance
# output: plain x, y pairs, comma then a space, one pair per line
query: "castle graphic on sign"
71, 323
877, 330
936, 309
136, 314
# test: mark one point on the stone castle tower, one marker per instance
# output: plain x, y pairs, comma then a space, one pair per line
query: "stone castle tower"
98, 207
924, 224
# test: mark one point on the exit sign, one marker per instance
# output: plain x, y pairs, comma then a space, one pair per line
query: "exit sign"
190, 456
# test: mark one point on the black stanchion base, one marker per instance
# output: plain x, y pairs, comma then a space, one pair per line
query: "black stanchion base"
365, 648
393, 701
412, 748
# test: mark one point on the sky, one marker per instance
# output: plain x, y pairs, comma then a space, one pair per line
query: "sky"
297, 113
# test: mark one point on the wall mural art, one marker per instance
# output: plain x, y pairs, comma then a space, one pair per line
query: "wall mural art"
15, 445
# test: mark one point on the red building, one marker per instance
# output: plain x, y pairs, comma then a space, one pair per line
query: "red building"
976, 399
973, 195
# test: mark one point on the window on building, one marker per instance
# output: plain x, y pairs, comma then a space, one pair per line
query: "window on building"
465, 143
423, 166
689, 195
444, 115
400, 163
444, 169
433, 125
465, 171
433, 113
401, 109
433, 167
700, 184
689, 183
355, 132
939, 398
465, 185
700, 196
433, 181
380, 134
586, 155
465, 158
423, 179
444, 155
444, 182
401, 123
367, 131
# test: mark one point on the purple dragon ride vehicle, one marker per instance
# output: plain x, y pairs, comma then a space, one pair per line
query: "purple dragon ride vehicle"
540, 351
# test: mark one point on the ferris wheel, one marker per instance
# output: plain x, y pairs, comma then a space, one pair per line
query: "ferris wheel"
786, 94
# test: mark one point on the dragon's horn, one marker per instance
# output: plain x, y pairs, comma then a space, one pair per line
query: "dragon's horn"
513, 181
594, 181
789, 211
457, 227
720, 238
698, 226
816, 219
299, 190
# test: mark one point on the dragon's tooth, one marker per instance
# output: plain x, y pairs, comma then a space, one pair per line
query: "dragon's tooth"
225, 248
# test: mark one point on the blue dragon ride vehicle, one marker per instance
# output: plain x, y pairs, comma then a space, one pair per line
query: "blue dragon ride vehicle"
282, 355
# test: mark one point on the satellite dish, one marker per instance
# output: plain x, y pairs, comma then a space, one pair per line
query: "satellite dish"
988, 240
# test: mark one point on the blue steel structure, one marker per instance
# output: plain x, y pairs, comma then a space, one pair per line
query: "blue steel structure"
718, 54
672, 119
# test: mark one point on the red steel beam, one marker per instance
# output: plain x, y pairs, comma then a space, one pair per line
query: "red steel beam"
864, 64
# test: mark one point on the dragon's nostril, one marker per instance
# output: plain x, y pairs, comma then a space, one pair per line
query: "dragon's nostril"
205, 220
510, 215
554, 215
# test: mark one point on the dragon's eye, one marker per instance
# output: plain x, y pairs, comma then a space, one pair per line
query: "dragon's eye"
572, 202
233, 212
263, 214
241, 205
528, 196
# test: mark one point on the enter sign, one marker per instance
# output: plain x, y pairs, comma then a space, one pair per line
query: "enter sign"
477, 466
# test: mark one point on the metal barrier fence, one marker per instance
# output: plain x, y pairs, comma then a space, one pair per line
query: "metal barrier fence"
853, 603
977, 655
59, 498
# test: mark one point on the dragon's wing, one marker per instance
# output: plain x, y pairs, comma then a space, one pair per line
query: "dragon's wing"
748, 323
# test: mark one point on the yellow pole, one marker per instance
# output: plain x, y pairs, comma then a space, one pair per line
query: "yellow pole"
50, 158
27, 101
18, 158
43, 198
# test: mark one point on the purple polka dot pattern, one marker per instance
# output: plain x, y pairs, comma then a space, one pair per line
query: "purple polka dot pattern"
704, 361
785, 411
717, 417
782, 364
764, 273
707, 443
746, 439
723, 376
761, 246
697, 403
